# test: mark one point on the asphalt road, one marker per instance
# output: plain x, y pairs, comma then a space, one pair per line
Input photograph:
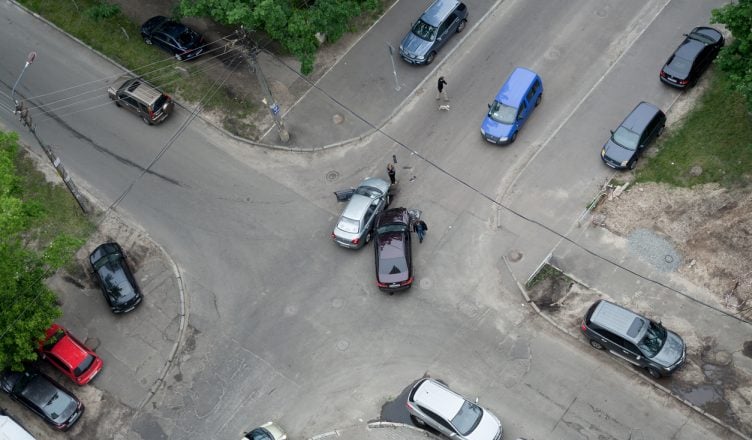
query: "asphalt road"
284, 325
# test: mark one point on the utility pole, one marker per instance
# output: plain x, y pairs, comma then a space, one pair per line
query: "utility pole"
22, 110
268, 99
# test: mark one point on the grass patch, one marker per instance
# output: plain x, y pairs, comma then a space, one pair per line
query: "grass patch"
56, 212
104, 27
547, 271
716, 135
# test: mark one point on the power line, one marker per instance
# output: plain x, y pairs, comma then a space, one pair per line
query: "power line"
499, 204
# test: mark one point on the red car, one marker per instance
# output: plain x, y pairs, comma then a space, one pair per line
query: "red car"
69, 355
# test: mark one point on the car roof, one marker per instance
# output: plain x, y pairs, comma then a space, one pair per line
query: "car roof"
68, 350
142, 90
438, 398
640, 117
357, 207
438, 11
516, 86
375, 182
689, 49
619, 320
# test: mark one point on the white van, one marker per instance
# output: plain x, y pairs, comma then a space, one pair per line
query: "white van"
11, 430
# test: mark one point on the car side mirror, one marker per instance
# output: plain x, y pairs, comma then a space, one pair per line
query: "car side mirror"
476, 400
612, 132
489, 105
642, 146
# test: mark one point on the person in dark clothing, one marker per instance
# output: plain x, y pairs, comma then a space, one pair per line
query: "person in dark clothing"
392, 172
441, 92
420, 228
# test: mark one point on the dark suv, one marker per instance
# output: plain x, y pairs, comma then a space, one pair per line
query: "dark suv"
641, 127
141, 98
634, 338
438, 23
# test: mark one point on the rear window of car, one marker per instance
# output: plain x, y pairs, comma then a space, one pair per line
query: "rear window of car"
84, 365
393, 266
160, 102
348, 225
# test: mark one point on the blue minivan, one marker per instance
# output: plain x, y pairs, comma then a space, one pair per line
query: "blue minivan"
514, 103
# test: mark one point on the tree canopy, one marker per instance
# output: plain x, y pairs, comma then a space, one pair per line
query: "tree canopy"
292, 23
27, 306
736, 57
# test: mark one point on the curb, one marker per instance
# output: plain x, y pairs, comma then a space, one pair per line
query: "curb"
375, 425
655, 384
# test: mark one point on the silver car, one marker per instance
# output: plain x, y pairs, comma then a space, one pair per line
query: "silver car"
267, 431
433, 404
355, 224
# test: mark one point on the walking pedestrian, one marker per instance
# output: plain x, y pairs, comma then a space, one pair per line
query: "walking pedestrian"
441, 92
392, 172
420, 228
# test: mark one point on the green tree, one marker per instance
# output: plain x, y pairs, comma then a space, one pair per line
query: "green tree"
27, 306
293, 24
736, 57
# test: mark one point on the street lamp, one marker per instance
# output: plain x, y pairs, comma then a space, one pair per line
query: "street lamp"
29, 60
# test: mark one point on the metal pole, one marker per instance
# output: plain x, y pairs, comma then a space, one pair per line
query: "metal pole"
268, 100
29, 60
394, 67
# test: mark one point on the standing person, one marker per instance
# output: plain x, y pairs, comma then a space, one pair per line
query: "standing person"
420, 228
392, 172
441, 92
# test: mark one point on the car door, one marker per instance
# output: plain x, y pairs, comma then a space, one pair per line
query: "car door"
370, 216
128, 102
51, 358
630, 352
444, 31
522, 114
163, 40
438, 423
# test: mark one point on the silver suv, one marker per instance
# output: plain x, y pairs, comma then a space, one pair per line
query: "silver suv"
355, 225
141, 98
433, 404
634, 338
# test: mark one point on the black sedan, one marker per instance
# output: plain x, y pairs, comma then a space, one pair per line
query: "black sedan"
115, 278
176, 38
56, 405
392, 245
692, 57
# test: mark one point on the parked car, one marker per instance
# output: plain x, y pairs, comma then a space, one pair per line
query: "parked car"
432, 403
393, 250
685, 66
176, 38
69, 355
53, 403
512, 106
438, 23
634, 338
641, 127
115, 278
141, 98
267, 431
355, 225
11, 429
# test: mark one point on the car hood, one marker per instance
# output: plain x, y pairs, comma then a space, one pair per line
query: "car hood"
487, 429
497, 129
55, 403
414, 45
616, 152
672, 351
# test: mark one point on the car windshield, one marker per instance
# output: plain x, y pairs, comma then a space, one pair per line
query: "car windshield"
653, 341
679, 65
424, 30
391, 228
83, 366
626, 138
368, 191
348, 225
502, 113
467, 418
393, 266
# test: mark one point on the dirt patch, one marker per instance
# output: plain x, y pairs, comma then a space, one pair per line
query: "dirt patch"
710, 226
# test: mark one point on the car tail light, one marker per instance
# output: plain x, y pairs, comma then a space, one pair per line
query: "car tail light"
409, 281
355, 240
583, 327
407, 404
684, 82
380, 284
663, 74
333, 236
151, 113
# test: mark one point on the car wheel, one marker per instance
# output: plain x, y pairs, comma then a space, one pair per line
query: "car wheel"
596, 345
660, 131
430, 57
537, 101
368, 238
416, 421
117, 102
633, 164
514, 136
146, 119
654, 373
462, 25
147, 40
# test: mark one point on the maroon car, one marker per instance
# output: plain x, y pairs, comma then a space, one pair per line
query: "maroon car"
393, 249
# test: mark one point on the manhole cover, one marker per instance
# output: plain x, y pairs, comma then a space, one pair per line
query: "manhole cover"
331, 176
514, 256
668, 259
338, 119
